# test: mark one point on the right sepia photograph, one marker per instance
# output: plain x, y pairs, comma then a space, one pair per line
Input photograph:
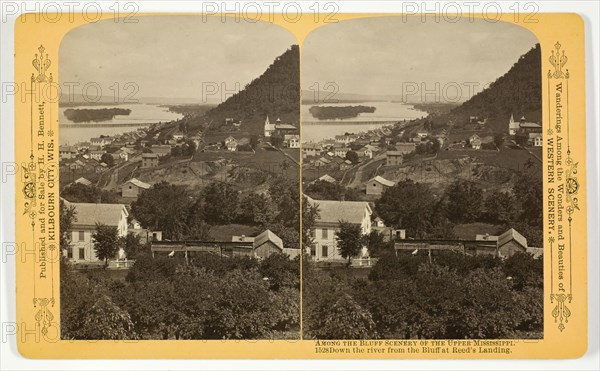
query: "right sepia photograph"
422, 171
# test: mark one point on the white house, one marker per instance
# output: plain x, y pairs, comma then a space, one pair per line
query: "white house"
88, 215
536, 139
178, 135
475, 141
324, 245
231, 144
100, 141
67, 152
292, 140
97, 155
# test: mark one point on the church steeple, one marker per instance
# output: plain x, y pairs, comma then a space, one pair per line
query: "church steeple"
269, 128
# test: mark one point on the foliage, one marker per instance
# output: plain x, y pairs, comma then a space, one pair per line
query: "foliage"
407, 205
376, 244
68, 215
105, 320
454, 296
349, 239
87, 311
164, 298
256, 208
276, 140
106, 242
220, 203
147, 268
524, 270
77, 192
132, 245
529, 193
430, 147
329, 312
108, 159
163, 207
498, 140
324, 190
500, 208
281, 271
464, 201
352, 156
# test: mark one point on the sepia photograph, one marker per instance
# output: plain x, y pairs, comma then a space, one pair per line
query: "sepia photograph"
179, 180
422, 171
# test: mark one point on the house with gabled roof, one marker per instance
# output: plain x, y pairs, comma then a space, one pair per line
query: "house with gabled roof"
323, 232
511, 242
83, 181
87, 217
266, 244
133, 188
311, 149
328, 178
377, 185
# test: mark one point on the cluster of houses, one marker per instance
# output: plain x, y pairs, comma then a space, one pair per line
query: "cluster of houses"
324, 247
332, 153
288, 132
532, 130
89, 215
261, 246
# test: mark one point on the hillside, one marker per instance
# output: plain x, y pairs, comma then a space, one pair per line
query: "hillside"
275, 93
518, 91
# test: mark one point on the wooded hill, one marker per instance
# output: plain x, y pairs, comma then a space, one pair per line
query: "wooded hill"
519, 91
275, 93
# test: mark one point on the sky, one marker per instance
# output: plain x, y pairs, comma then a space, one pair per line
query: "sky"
387, 55
170, 56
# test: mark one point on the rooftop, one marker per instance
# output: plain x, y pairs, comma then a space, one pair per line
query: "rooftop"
383, 181
334, 211
88, 214
138, 183
395, 153
511, 234
267, 236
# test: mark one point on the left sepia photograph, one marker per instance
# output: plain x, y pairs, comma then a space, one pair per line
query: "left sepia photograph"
179, 180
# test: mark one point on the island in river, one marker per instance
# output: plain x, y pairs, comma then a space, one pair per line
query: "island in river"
334, 113
94, 115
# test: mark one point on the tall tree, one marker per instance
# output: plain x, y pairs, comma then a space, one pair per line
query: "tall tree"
465, 201
107, 159
376, 244
256, 208
349, 239
67, 216
221, 203
352, 156
528, 191
407, 205
500, 207
131, 244
163, 207
106, 242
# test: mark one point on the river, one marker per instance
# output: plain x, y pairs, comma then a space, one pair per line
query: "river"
140, 114
314, 130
